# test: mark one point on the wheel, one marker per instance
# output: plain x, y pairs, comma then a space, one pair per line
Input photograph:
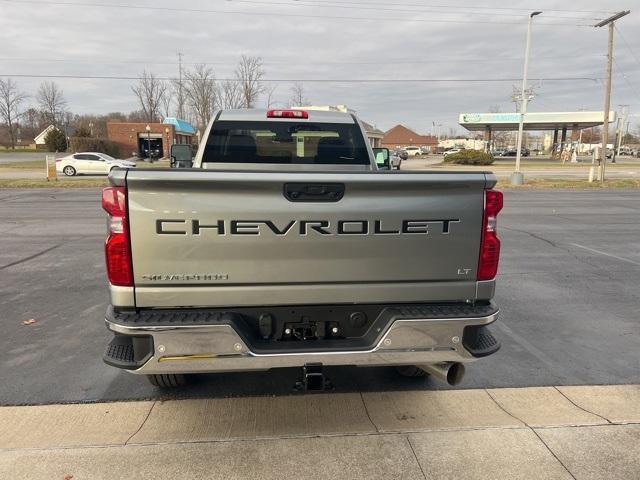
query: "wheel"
69, 171
410, 371
168, 380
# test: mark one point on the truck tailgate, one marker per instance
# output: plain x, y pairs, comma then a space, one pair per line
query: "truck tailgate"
222, 238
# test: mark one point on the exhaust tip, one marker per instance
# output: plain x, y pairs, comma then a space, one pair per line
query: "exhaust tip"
455, 374
452, 373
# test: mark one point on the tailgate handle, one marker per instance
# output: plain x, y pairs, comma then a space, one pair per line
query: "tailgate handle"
313, 192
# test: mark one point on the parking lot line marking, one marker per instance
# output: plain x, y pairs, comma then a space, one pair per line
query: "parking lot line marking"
606, 254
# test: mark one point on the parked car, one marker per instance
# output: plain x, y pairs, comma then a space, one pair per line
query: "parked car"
512, 152
413, 151
155, 153
90, 163
424, 150
625, 151
451, 151
609, 152
395, 161
401, 153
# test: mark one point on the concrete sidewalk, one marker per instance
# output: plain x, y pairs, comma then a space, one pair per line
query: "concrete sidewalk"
590, 432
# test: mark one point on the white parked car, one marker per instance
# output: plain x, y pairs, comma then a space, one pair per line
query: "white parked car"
89, 163
413, 151
452, 151
394, 161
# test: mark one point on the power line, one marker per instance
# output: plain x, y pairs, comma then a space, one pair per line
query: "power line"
451, 60
262, 14
378, 7
626, 44
621, 73
320, 80
466, 7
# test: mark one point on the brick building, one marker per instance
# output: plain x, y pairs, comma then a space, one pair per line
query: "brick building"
133, 138
401, 136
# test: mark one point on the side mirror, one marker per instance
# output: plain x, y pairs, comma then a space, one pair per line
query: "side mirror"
181, 156
382, 158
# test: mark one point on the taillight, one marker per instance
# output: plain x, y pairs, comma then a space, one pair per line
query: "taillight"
116, 247
287, 114
58, 160
490, 244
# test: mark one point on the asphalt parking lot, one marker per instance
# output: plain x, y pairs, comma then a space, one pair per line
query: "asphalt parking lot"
568, 290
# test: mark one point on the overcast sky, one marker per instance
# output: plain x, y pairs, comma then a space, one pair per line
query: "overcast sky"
340, 39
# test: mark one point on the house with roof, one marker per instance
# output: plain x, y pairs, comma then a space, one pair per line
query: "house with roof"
39, 140
401, 136
375, 135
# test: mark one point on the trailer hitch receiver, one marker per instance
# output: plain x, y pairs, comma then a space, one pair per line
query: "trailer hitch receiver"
313, 379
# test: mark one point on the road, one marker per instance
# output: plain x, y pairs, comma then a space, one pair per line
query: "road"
568, 289
532, 167
11, 157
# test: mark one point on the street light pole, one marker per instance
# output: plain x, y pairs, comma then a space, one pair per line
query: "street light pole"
607, 92
148, 129
517, 178
624, 110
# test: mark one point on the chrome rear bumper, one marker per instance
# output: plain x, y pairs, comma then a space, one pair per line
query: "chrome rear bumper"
220, 348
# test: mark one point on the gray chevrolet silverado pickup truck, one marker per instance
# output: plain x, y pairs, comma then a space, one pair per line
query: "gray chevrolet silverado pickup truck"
286, 246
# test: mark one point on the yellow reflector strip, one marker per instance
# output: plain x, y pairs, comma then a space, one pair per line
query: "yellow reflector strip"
201, 356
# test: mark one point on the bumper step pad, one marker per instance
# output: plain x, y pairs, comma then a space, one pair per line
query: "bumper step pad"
479, 341
128, 352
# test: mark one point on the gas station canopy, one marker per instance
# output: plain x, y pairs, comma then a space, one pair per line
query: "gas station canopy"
533, 120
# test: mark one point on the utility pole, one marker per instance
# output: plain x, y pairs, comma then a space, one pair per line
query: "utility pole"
180, 91
516, 177
607, 92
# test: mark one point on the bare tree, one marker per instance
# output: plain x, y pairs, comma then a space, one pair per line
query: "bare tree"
52, 102
249, 74
270, 92
297, 95
167, 100
230, 95
201, 93
137, 116
66, 121
31, 122
178, 87
180, 97
150, 91
10, 100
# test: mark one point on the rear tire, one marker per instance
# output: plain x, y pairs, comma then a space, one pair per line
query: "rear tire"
410, 371
69, 171
168, 380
